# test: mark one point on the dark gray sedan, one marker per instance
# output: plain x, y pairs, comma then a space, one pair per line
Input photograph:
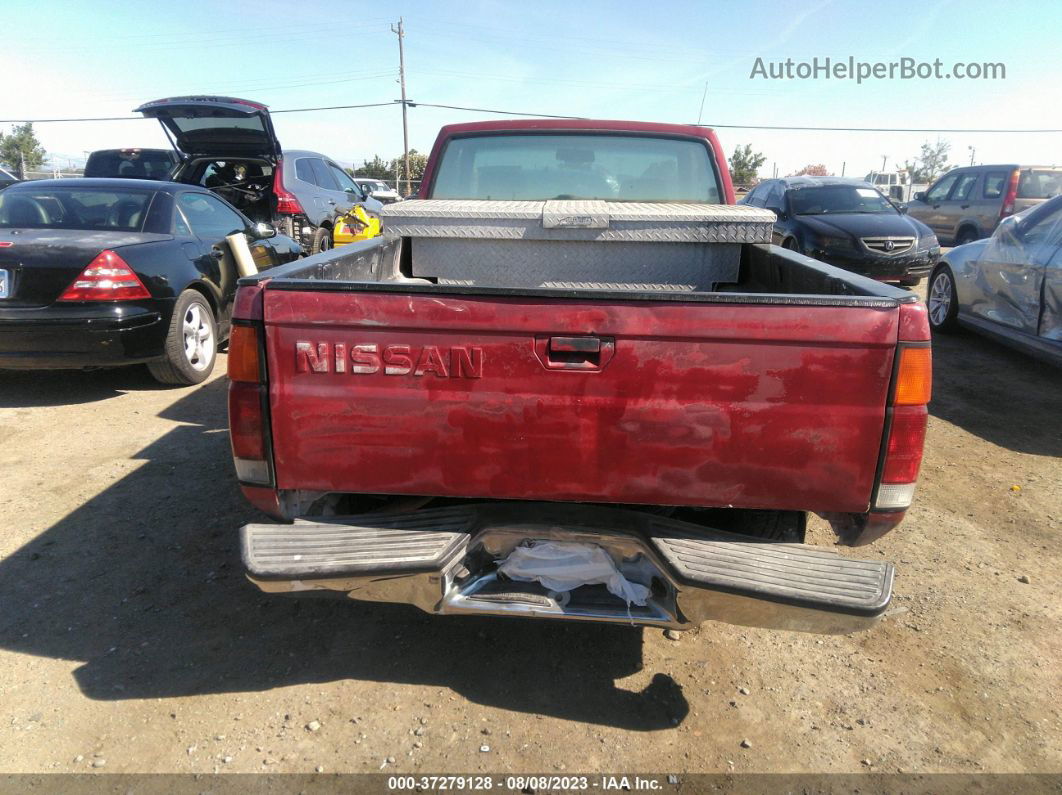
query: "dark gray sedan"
1008, 286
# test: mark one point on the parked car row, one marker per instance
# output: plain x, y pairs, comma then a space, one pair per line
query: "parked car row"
130, 263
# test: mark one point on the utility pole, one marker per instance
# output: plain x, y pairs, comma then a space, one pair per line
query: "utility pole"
883, 159
843, 164
703, 97
400, 31
972, 153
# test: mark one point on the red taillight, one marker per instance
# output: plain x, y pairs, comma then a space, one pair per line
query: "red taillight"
1011, 195
906, 428
903, 456
248, 428
246, 421
107, 278
287, 204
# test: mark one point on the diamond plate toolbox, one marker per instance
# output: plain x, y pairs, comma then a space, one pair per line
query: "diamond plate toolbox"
678, 246
645, 222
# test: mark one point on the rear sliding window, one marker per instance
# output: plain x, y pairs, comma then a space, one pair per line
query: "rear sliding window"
1039, 184
130, 165
555, 166
91, 210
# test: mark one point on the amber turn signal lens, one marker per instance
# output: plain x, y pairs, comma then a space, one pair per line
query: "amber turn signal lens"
914, 379
243, 355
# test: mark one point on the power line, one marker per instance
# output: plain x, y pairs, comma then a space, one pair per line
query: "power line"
140, 118
873, 129
335, 107
489, 110
413, 104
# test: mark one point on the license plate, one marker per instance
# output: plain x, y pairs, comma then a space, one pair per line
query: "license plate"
5, 280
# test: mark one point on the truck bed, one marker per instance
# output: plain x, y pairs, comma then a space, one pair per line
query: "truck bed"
769, 393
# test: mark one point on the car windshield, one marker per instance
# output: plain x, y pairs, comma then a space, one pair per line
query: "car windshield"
832, 199
576, 166
1040, 184
91, 209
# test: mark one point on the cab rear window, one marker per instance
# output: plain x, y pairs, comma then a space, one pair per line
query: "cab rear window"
87, 209
576, 166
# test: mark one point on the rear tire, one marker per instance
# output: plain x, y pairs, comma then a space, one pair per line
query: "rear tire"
191, 343
965, 235
791, 244
322, 240
941, 300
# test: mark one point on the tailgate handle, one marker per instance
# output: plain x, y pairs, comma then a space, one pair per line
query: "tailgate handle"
575, 353
574, 345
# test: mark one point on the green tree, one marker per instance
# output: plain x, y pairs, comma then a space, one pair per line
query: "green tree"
744, 164
931, 162
376, 168
20, 149
417, 163
816, 170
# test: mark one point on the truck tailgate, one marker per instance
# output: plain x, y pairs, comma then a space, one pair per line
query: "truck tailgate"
689, 402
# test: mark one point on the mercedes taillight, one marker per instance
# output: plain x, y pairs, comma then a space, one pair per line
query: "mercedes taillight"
107, 278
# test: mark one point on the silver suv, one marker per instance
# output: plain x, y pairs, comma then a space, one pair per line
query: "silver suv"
968, 203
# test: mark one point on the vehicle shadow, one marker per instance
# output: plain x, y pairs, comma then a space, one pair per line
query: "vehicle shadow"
996, 393
32, 388
143, 583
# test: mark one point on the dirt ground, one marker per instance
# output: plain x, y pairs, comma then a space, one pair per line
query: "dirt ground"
130, 641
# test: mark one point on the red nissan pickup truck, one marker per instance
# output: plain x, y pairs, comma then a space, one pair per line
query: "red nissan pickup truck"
573, 380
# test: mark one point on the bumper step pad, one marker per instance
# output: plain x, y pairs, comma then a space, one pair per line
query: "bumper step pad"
425, 541
796, 574
443, 561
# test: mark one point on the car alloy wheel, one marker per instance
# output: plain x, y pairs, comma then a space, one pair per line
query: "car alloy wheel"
940, 292
198, 333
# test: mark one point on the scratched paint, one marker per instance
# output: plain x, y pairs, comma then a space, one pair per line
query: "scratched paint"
700, 404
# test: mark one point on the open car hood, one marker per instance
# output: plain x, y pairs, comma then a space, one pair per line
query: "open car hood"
215, 126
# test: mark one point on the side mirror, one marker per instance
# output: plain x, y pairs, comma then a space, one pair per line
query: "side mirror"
920, 196
902, 208
263, 231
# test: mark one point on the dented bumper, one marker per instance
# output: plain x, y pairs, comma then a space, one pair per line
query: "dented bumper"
445, 561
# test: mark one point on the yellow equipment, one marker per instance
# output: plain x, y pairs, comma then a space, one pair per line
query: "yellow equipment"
354, 226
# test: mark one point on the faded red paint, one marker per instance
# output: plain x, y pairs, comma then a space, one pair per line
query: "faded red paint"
763, 406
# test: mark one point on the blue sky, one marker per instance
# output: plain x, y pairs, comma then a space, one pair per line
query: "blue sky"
631, 60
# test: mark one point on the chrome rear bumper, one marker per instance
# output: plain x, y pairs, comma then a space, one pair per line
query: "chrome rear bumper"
444, 561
